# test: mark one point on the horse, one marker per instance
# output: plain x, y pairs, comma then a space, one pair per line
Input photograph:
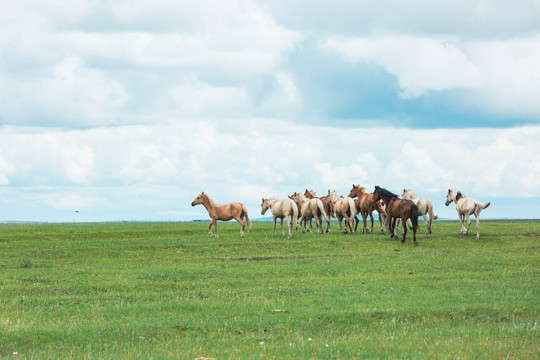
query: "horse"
344, 208
398, 208
310, 208
425, 207
299, 208
281, 209
310, 194
365, 206
225, 212
465, 207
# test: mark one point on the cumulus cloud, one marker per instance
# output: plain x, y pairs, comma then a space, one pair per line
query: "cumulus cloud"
268, 157
499, 76
421, 64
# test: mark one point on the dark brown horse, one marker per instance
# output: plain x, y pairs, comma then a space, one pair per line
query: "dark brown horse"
398, 208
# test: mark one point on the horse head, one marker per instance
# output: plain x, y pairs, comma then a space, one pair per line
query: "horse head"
451, 196
198, 200
264, 206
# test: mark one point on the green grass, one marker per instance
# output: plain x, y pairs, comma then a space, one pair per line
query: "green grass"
167, 290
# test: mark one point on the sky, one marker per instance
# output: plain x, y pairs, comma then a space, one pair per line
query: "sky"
126, 110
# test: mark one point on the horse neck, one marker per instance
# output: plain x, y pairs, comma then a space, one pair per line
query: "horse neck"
208, 203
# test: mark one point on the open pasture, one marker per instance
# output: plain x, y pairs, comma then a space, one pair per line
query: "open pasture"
168, 290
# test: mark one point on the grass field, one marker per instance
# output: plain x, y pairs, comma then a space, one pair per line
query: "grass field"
167, 290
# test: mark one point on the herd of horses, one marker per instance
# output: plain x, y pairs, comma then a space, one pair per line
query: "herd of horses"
299, 209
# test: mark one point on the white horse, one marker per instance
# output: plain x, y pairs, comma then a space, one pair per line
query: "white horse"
465, 207
344, 208
310, 208
281, 209
425, 207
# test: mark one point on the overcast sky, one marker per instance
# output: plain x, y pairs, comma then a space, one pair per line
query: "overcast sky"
126, 110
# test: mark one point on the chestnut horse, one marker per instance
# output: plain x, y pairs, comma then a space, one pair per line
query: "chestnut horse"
466, 207
344, 208
398, 208
281, 209
425, 207
310, 208
225, 212
310, 194
365, 206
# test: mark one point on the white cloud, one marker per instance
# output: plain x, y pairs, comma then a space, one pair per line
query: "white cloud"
421, 64
501, 77
245, 160
197, 98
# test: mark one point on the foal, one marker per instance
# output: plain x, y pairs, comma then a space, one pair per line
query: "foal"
398, 208
236, 211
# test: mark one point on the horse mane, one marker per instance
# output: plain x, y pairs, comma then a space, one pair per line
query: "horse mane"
459, 195
212, 202
385, 194
411, 193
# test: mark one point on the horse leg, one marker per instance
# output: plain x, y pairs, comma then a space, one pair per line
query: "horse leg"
356, 221
274, 234
364, 218
404, 225
283, 232
477, 226
427, 223
371, 217
242, 224
382, 221
468, 224
340, 218
210, 227
289, 226
462, 221
215, 227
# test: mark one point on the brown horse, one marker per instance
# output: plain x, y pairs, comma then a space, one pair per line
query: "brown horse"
398, 208
310, 194
225, 212
365, 206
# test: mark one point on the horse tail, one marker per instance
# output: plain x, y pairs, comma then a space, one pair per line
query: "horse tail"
485, 205
244, 210
294, 214
352, 206
414, 217
321, 209
431, 215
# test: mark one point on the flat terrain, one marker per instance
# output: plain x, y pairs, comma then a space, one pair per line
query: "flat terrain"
168, 290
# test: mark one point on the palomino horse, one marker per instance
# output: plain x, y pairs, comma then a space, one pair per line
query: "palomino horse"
398, 208
310, 194
344, 208
236, 211
465, 207
310, 208
281, 209
365, 206
425, 207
